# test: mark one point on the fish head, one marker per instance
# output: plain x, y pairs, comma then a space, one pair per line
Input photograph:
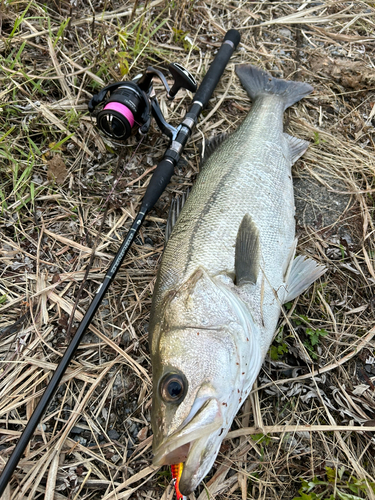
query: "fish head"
191, 394
196, 378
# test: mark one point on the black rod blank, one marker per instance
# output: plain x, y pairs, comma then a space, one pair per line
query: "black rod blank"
158, 182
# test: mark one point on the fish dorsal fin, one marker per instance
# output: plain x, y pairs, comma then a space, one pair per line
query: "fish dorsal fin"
247, 255
303, 273
210, 146
296, 147
174, 211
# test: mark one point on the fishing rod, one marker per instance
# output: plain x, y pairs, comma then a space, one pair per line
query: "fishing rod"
129, 105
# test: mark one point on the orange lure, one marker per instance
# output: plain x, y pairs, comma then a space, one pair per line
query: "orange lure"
176, 474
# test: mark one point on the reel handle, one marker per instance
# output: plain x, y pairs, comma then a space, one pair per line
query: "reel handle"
182, 80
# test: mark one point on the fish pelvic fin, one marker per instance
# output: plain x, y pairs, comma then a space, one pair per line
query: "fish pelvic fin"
259, 83
247, 254
303, 273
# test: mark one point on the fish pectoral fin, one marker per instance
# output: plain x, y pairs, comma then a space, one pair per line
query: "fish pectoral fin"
303, 273
296, 147
247, 253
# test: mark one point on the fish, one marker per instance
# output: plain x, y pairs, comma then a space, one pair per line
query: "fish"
227, 268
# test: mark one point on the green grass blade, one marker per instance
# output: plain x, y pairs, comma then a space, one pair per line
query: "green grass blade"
19, 21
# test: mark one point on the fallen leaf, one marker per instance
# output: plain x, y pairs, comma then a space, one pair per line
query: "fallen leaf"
142, 434
350, 74
57, 170
360, 389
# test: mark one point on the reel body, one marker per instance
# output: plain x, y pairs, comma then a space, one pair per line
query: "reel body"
124, 106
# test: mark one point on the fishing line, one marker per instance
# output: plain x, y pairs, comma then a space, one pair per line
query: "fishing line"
124, 169
117, 179
96, 242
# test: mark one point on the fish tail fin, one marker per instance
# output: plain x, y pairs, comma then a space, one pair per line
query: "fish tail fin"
259, 83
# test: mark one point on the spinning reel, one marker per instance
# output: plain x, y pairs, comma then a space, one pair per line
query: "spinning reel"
131, 104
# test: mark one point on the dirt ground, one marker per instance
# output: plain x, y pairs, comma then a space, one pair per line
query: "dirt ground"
307, 429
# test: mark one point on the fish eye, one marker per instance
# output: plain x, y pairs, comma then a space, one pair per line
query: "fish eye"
173, 388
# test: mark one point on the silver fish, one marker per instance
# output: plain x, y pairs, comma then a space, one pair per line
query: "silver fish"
227, 268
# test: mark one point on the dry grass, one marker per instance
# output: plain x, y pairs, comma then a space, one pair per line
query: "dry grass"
57, 175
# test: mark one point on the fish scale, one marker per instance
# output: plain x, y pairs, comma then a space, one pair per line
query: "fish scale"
226, 270
207, 218
194, 239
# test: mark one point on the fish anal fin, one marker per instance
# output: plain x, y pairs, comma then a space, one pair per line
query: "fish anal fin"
289, 262
247, 254
296, 147
303, 273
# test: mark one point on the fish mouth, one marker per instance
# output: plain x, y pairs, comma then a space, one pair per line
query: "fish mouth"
193, 445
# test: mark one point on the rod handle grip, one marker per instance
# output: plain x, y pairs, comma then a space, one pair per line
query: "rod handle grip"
159, 181
233, 36
212, 77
